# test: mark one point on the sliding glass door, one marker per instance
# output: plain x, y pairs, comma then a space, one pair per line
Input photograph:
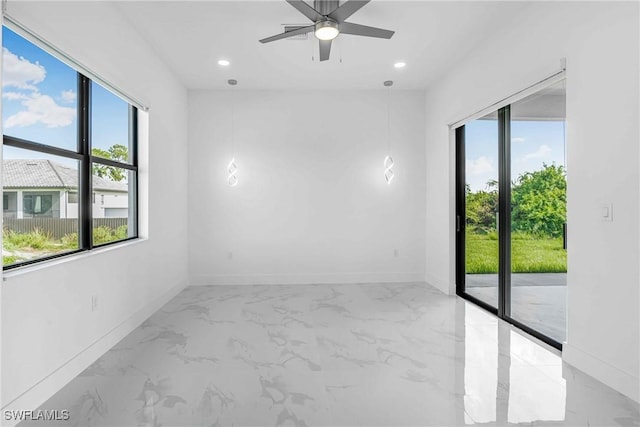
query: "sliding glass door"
538, 212
511, 213
481, 209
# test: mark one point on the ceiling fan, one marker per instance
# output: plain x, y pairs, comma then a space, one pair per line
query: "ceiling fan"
329, 20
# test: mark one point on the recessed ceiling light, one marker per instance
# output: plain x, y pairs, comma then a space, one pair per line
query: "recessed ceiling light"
224, 62
400, 64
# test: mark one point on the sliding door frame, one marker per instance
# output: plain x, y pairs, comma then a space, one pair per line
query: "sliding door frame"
461, 224
504, 212
503, 311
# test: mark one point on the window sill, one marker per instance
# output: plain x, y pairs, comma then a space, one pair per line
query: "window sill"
19, 271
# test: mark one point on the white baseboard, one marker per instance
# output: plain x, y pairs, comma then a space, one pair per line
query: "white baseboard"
48, 386
615, 378
306, 279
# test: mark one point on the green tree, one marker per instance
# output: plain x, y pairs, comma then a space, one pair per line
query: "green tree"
117, 152
539, 201
481, 208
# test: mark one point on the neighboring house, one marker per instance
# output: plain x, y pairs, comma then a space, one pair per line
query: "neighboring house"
42, 188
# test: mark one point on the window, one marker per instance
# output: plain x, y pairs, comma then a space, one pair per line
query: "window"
113, 169
66, 139
37, 204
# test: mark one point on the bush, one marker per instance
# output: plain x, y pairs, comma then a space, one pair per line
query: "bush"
121, 232
69, 241
481, 208
539, 202
37, 239
538, 199
102, 235
9, 259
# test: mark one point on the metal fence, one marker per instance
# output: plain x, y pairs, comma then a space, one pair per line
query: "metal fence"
57, 227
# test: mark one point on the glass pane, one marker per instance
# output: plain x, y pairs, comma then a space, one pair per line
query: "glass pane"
538, 214
38, 94
113, 199
109, 125
39, 219
481, 198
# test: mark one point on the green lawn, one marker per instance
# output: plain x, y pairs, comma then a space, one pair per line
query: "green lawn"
529, 254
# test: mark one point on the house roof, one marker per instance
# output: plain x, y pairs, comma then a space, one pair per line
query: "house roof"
40, 173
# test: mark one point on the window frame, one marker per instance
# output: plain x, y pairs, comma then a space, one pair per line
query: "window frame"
86, 160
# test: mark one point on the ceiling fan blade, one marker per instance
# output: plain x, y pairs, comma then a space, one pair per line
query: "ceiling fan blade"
347, 9
286, 34
325, 49
363, 30
306, 10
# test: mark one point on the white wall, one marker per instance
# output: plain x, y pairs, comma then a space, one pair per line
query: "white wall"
47, 320
600, 43
311, 205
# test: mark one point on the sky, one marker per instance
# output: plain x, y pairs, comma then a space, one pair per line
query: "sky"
39, 95
533, 143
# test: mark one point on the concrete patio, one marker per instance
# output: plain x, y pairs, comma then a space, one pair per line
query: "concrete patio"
538, 300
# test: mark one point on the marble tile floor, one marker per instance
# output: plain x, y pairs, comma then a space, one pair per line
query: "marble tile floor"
344, 355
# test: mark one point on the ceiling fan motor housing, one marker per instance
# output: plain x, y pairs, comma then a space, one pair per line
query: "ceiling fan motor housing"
325, 7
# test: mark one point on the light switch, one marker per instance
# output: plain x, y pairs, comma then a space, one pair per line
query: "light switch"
606, 211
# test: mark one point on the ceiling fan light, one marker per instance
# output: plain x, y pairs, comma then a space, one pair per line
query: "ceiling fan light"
327, 30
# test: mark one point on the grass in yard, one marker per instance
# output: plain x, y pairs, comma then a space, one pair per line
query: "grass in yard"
37, 239
10, 259
105, 234
18, 247
529, 254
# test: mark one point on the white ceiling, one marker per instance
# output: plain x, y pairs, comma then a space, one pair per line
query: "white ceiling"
431, 36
